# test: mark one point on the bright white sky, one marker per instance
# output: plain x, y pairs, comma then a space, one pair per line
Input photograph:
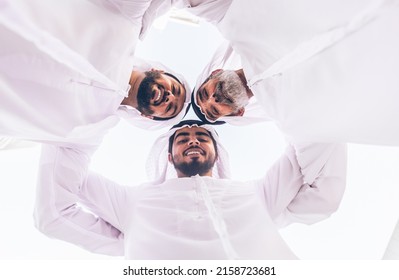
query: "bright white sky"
360, 229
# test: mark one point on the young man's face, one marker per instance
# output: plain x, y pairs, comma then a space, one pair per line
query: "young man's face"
193, 152
209, 102
164, 97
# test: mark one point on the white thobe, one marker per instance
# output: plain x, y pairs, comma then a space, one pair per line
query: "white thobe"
323, 70
188, 218
65, 67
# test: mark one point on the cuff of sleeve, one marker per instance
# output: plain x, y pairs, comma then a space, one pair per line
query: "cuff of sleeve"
312, 158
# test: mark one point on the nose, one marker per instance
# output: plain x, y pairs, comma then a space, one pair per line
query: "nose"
193, 141
169, 96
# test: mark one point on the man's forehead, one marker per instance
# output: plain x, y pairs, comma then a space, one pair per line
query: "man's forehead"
192, 130
166, 77
171, 76
161, 79
210, 83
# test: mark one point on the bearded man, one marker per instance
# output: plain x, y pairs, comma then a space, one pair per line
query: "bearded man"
191, 209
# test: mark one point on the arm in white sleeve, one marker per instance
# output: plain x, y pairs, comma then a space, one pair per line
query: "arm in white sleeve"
132, 9
63, 183
306, 184
209, 10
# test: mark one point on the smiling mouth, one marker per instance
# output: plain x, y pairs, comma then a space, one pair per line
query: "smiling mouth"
194, 152
157, 98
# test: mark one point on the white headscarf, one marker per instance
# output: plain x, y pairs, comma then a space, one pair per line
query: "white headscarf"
134, 117
160, 169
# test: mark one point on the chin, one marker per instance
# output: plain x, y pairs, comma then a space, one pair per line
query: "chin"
194, 167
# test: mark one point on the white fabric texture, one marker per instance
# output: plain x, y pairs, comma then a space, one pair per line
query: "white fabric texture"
10, 143
323, 71
187, 218
62, 80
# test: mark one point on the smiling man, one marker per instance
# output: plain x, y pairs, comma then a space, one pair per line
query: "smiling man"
196, 212
156, 94
319, 78
223, 93
192, 151
61, 80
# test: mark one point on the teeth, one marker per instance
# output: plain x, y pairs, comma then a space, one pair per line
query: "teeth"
193, 153
158, 97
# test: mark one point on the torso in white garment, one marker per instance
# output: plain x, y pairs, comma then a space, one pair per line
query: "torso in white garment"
185, 218
65, 68
346, 92
188, 218
97, 30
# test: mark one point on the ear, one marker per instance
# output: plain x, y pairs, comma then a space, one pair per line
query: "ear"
146, 116
214, 72
170, 158
157, 70
239, 113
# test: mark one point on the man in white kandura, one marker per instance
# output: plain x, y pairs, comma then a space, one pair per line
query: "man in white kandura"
68, 71
323, 71
196, 213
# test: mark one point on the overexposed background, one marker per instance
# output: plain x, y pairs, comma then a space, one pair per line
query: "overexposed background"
360, 229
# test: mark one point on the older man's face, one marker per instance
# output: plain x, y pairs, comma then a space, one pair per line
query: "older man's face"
193, 151
209, 101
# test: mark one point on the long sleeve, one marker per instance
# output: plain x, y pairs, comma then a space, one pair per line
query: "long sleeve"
134, 10
64, 185
210, 10
306, 184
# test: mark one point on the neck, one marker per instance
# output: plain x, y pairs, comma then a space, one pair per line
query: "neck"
244, 81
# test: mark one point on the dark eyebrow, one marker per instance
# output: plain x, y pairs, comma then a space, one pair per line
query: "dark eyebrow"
172, 76
210, 115
200, 133
215, 110
182, 134
205, 93
178, 90
174, 110
199, 94
168, 107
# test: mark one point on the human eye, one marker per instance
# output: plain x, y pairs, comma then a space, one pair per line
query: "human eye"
160, 86
210, 116
182, 140
203, 137
201, 95
168, 108
215, 112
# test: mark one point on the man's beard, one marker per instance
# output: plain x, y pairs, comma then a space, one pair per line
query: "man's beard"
144, 99
194, 167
